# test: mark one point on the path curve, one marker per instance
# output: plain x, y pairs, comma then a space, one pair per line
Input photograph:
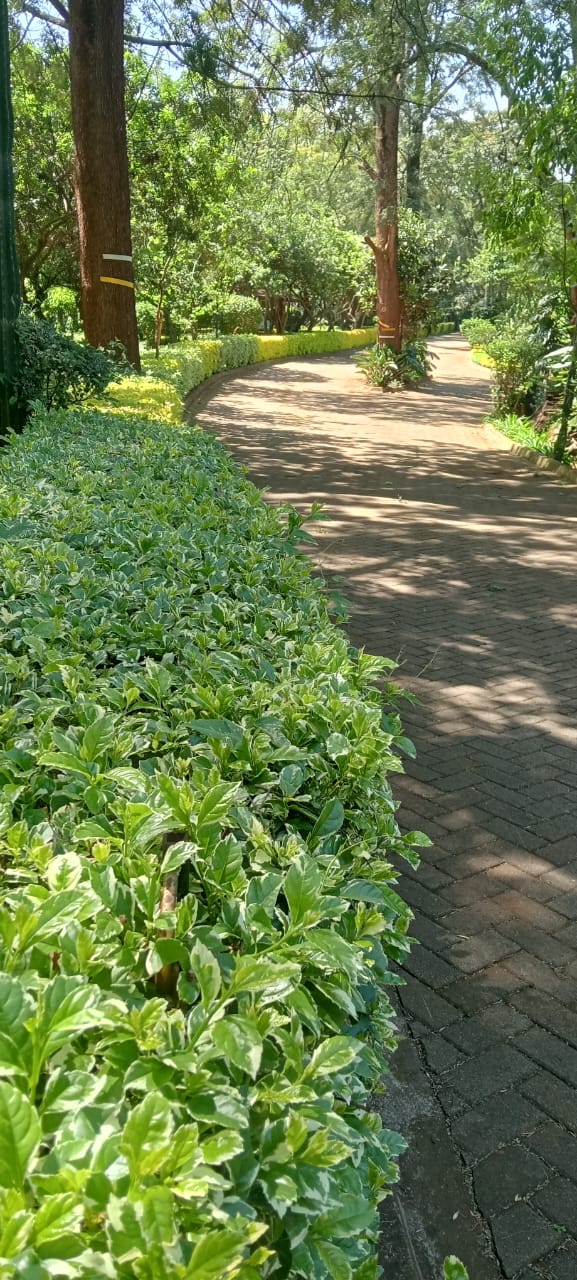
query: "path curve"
461, 561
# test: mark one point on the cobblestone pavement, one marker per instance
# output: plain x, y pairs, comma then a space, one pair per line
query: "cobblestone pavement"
462, 562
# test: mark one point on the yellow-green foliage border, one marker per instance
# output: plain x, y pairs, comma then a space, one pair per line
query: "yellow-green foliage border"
158, 393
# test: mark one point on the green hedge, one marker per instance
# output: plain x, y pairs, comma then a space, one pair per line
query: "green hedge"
198, 905
187, 365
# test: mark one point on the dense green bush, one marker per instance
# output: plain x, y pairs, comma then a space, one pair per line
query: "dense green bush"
478, 332
239, 314
237, 350
146, 313
60, 306
518, 381
197, 838
53, 370
384, 367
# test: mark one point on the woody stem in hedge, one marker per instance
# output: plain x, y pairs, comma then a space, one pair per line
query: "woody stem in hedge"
9, 275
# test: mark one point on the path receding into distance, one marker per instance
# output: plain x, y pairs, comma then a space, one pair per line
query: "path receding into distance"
459, 559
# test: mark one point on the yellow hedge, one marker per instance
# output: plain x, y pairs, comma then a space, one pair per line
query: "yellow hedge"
158, 393
273, 346
144, 396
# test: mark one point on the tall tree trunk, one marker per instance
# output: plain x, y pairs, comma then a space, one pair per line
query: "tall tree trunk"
385, 245
416, 128
101, 176
9, 274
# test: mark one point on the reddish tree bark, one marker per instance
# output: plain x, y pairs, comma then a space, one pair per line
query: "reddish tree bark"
385, 245
101, 177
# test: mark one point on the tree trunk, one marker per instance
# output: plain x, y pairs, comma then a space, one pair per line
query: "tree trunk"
9, 273
385, 245
568, 402
101, 175
416, 127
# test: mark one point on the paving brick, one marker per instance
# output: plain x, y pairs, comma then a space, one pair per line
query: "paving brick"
470, 954
507, 1176
430, 876
562, 1265
424, 899
500, 1120
472, 861
547, 1012
512, 877
429, 968
563, 879
535, 973
473, 889
521, 1236
475, 1034
566, 903
430, 933
553, 951
563, 851
557, 1099
556, 829
440, 1055
485, 987
558, 1200
423, 1003
528, 863
451, 1102
568, 936
527, 839
459, 842
475, 918
533, 913
557, 1147
551, 1053
460, 819
492, 1071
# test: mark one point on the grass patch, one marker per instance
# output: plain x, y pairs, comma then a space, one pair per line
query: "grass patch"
523, 432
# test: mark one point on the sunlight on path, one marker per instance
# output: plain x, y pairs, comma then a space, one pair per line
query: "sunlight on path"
461, 561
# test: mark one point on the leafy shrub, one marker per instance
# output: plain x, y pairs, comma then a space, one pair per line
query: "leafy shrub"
524, 432
319, 342
237, 314
478, 332
149, 397
384, 367
381, 366
179, 707
60, 306
237, 350
146, 319
187, 365
53, 370
518, 381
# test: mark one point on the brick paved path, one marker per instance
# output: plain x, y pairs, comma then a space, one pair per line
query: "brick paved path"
459, 559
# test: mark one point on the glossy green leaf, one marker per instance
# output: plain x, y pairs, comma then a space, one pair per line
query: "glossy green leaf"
239, 1040
19, 1135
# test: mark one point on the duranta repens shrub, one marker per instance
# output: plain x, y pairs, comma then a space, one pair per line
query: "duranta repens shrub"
187, 364
239, 314
518, 379
53, 370
199, 849
478, 332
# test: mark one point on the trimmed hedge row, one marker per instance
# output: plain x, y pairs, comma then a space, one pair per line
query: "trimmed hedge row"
189, 364
197, 840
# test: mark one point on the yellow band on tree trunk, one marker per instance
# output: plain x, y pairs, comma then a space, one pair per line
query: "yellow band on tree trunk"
112, 280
